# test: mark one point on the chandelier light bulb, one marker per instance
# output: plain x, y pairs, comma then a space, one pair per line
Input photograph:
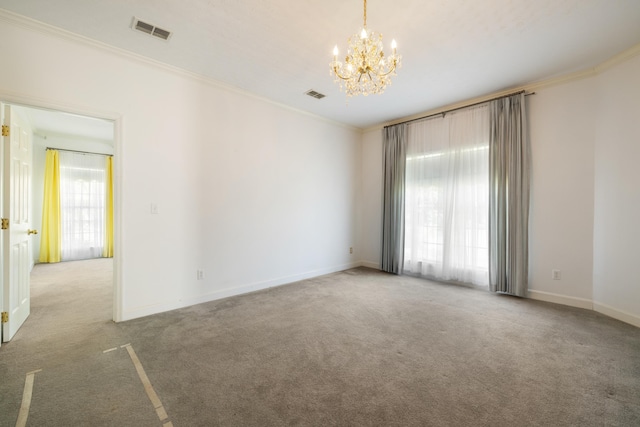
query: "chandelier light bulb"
366, 69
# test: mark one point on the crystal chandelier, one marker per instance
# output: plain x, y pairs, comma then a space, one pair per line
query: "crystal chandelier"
365, 70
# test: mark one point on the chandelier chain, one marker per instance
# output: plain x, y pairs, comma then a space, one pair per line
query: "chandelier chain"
365, 13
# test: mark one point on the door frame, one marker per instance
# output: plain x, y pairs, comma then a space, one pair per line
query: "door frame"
117, 120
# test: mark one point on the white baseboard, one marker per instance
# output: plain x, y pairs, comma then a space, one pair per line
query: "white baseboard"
623, 316
225, 293
148, 310
607, 310
561, 299
370, 264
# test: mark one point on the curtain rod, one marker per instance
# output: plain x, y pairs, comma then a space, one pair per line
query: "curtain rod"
443, 113
78, 151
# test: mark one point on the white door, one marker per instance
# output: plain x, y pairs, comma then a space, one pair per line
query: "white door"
16, 207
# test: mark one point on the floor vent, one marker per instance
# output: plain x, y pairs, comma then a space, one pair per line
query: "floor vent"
150, 29
312, 93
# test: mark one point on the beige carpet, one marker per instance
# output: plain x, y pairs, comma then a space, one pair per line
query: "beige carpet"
69, 296
358, 347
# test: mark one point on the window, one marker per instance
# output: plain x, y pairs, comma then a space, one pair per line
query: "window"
82, 205
447, 197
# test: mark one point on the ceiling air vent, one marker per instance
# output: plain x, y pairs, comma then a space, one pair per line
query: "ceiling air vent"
150, 29
314, 94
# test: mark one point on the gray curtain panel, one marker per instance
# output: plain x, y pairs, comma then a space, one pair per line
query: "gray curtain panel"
509, 170
395, 156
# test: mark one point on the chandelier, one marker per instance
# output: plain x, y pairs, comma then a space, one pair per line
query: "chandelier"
365, 70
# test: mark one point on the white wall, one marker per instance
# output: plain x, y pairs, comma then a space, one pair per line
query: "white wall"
372, 180
40, 144
617, 192
252, 193
561, 124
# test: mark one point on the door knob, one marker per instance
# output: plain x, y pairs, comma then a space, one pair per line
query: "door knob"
32, 231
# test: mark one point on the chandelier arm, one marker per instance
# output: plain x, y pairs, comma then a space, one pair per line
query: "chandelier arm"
337, 73
388, 72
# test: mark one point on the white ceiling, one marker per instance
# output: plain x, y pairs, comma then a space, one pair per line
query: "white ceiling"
452, 50
50, 123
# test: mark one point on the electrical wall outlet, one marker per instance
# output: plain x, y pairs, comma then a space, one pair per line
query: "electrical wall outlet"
154, 209
555, 274
200, 274
351, 250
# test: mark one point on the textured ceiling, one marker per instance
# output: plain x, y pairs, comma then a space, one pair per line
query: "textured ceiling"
278, 49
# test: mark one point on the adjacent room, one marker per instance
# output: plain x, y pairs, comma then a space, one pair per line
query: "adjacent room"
322, 212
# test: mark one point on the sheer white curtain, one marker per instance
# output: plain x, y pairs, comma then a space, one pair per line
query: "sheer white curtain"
82, 205
447, 197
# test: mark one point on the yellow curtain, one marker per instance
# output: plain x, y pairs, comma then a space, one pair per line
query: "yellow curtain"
108, 230
50, 243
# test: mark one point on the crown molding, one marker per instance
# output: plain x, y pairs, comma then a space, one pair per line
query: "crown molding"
618, 59
44, 28
529, 87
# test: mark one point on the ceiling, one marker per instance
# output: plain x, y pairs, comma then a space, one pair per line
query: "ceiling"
48, 123
452, 50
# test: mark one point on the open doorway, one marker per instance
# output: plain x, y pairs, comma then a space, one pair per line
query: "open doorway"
80, 287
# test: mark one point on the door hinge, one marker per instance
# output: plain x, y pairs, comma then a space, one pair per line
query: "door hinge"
5, 317
5, 130
5, 223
